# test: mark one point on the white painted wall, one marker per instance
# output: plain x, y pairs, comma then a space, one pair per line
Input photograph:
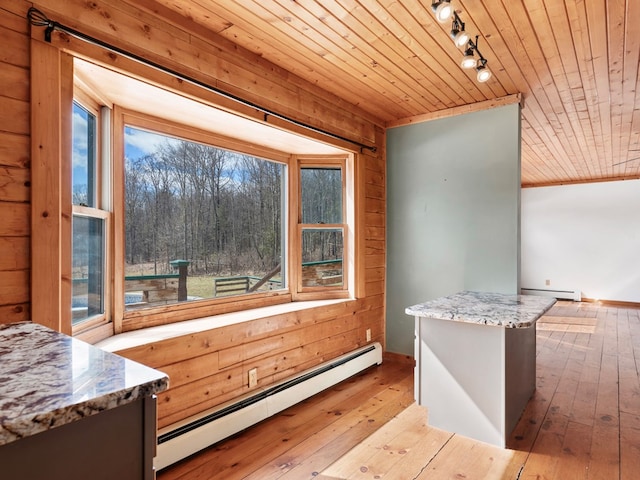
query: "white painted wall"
584, 237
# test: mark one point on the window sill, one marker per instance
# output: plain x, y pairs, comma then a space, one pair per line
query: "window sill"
137, 338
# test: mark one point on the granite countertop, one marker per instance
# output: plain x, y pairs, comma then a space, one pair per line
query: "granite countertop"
495, 309
48, 379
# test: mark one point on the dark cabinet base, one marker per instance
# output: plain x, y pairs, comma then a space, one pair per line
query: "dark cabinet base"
115, 444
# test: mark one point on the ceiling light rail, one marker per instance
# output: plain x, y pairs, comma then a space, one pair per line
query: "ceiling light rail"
39, 19
444, 11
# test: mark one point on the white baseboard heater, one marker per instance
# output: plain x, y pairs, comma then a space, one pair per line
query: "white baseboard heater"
575, 295
187, 437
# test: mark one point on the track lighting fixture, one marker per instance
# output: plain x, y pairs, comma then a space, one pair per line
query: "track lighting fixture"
442, 9
468, 61
483, 73
460, 37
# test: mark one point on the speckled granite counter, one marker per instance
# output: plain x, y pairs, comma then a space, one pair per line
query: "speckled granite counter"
496, 309
51, 382
476, 361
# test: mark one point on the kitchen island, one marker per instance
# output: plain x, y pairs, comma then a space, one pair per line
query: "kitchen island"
475, 358
69, 410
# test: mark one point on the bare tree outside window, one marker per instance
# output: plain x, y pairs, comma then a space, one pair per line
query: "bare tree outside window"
218, 210
322, 239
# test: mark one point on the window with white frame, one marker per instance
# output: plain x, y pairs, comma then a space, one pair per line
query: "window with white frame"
89, 250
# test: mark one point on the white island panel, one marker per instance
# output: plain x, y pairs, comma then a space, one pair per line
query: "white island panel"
475, 361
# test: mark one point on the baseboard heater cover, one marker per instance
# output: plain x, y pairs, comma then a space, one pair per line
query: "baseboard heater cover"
575, 295
185, 438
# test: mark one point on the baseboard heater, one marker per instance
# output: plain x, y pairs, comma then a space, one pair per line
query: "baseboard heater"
185, 438
575, 295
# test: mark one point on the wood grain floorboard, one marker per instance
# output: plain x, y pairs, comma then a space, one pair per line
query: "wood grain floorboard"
583, 421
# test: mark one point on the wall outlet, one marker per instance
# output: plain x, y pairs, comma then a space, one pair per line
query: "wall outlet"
368, 334
253, 377
547, 282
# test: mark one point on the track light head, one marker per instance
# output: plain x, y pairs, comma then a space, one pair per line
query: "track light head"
468, 61
460, 37
483, 73
442, 9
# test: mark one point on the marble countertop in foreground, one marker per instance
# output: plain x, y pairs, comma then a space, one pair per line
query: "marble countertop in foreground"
495, 309
48, 379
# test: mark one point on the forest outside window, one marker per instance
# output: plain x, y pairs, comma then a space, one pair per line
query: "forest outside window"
200, 217
322, 227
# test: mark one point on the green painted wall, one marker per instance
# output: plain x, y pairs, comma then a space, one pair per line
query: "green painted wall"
453, 218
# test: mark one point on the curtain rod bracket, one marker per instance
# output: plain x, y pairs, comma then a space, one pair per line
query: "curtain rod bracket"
39, 19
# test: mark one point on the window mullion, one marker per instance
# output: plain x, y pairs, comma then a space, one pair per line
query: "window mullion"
117, 235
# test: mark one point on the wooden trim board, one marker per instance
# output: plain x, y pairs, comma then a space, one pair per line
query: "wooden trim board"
450, 112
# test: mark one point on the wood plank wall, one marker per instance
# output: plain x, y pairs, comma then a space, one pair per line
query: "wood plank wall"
15, 217
209, 367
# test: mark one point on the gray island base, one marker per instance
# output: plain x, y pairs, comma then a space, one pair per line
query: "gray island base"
476, 361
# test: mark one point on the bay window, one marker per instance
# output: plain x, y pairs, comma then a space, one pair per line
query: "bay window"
179, 210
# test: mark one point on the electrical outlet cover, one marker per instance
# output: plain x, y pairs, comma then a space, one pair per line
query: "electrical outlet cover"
253, 377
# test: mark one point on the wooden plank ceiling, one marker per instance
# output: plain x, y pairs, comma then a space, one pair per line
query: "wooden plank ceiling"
574, 61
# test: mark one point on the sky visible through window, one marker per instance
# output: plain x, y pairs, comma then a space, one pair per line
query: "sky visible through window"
138, 143
84, 126
80, 129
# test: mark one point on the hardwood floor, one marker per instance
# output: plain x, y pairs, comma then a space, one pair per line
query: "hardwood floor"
583, 421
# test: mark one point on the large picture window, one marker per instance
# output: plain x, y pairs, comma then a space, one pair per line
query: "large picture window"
199, 217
